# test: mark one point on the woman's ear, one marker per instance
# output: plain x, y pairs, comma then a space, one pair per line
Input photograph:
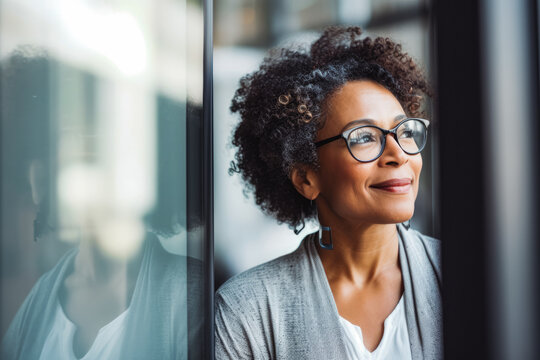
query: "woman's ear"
305, 181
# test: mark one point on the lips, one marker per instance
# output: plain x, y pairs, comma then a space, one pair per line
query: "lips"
399, 186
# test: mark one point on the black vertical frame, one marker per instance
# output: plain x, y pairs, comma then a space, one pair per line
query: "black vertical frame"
208, 178
488, 220
200, 195
462, 211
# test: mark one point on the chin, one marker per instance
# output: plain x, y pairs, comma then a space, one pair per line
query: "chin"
399, 215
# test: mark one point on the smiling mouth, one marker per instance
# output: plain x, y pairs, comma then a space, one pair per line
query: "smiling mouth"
396, 186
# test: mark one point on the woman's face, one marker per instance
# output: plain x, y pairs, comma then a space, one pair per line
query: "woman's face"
351, 190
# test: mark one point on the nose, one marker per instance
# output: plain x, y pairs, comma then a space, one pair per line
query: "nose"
392, 155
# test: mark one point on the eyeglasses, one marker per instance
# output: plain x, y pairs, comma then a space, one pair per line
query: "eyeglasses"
366, 142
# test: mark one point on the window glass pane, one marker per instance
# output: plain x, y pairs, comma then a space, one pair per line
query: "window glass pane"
98, 256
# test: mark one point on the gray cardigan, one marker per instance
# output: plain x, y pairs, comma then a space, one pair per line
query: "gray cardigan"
284, 309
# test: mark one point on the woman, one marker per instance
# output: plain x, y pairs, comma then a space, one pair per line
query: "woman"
335, 134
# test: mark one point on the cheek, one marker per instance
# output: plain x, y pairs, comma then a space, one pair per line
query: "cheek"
340, 172
344, 185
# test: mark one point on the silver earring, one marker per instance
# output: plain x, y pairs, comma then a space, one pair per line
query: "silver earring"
330, 244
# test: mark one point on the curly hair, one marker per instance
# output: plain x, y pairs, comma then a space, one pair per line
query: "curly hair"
282, 106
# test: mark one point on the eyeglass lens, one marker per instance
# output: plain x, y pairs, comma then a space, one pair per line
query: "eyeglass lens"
366, 143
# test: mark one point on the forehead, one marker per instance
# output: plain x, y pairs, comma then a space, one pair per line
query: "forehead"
361, 100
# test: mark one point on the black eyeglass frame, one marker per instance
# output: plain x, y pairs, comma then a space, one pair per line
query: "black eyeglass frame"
345, 136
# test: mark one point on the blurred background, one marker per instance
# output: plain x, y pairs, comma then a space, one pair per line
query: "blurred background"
244, 31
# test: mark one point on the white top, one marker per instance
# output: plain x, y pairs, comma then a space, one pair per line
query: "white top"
59, 342
394, 343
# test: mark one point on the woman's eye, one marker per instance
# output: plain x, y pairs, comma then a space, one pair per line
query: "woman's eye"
407, 133
362, 139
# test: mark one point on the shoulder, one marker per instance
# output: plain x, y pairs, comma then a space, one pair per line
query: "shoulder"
51, 280
252, 306
264, 281
31, 322
266, 290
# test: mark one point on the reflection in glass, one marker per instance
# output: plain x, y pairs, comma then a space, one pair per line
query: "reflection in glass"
95, 259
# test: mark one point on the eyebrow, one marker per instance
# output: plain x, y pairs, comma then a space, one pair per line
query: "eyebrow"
371, 121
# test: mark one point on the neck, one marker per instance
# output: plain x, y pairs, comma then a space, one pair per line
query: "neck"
361, 251
94, 266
